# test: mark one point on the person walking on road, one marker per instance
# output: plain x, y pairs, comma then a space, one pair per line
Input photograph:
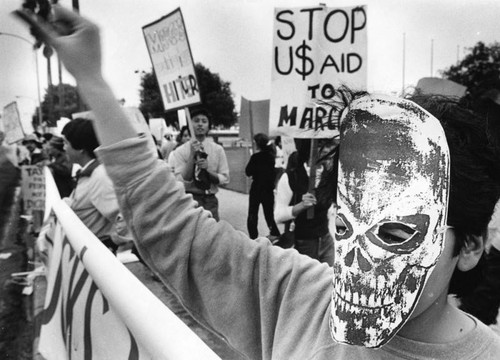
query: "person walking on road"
261, 169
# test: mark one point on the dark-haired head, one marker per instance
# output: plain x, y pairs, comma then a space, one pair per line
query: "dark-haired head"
201, 110
474, 155
47, 137
81, 135
182, 134
474, 169
261, 140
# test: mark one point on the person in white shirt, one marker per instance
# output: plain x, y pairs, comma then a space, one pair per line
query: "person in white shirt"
201, 164
93, 199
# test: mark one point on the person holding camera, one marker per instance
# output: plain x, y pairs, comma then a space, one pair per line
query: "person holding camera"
201, 164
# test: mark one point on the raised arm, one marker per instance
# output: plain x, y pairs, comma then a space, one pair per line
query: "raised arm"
80, 52
247, 291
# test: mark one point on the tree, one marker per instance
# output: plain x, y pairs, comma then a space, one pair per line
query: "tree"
479, 71
60, 101
215, 93
151, 104
216, 96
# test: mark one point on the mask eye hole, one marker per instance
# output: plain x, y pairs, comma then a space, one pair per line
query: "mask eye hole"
395, 232
341, 227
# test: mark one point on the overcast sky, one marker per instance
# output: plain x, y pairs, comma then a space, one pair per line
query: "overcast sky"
234, 39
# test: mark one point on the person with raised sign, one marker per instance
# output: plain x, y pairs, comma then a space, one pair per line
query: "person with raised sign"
409, 175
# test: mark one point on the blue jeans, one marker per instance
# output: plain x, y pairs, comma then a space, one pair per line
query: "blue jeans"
321, 248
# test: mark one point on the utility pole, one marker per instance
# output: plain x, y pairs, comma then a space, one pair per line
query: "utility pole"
48, 52
60, 88
76, 8
404, 60
432, 57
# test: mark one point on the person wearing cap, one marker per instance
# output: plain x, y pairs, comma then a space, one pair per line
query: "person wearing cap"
201, 164
60, 166
34, 146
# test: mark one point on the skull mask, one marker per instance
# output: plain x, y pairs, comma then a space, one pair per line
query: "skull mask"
392, 197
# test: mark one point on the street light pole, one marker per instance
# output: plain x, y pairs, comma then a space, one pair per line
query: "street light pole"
40, 118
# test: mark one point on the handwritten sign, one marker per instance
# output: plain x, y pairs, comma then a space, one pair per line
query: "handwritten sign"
315, 50
33, 187
12, 123
169, 50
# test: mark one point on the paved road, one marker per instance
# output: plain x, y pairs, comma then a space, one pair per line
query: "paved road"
233, 208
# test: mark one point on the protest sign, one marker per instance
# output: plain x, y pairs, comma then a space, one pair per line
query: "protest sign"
159, 129
33, 188
315, 50
12, 124
254, 118
95, 308
168, 46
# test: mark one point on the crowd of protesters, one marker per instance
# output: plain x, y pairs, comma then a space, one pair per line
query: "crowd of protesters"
280, 303
201, 166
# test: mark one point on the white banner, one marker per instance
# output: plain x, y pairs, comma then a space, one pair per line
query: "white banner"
315, 50
168, 47
97, 309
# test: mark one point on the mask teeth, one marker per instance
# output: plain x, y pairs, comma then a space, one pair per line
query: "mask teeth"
371, 300
363, 300
380, 296
387, 300
380, 284
355, 298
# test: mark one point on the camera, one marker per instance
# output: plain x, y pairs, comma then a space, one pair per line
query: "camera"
201, 155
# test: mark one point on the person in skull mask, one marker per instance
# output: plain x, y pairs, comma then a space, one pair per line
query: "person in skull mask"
405, 199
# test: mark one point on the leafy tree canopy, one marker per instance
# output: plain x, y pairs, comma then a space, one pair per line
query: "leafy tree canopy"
479, 71
60, 101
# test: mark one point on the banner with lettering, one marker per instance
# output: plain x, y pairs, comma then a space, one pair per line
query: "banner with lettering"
95, 308
315, 50
168, 46
12, 123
